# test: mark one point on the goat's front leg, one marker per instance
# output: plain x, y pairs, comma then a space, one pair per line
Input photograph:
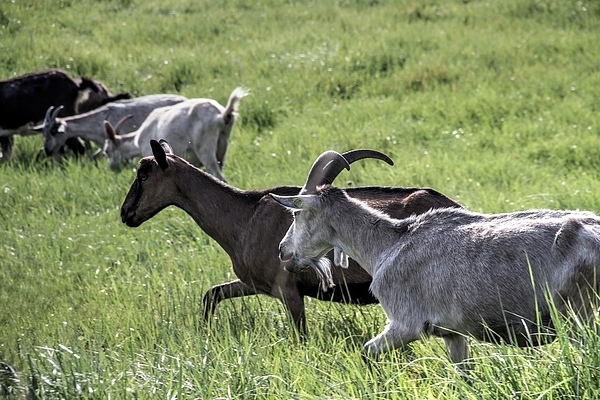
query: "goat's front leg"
6, 147
294, 302
224, 291
458, 347
395, 335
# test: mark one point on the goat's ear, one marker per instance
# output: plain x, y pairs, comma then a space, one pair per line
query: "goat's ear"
166, 146
294, 202
159, 154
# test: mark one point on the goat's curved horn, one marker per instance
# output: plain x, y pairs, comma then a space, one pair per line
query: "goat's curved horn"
110, 131
331, 170
320, 170
121, 122
52, 112
355, 155
56, 111
48, 113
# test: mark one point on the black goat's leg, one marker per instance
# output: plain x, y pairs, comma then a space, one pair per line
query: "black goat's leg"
294, 302
225, 291
6, 147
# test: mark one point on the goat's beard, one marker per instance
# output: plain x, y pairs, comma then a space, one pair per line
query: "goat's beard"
322, 267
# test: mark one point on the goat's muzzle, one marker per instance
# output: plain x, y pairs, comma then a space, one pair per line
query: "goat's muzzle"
284, 255
291, 266
128, 218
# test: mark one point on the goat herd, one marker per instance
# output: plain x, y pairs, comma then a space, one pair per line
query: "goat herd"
436, 268
75, 111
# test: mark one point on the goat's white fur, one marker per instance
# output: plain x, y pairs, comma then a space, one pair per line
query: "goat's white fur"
452, 272
197, 129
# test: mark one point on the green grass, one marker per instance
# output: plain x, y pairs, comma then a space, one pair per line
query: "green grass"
494, 103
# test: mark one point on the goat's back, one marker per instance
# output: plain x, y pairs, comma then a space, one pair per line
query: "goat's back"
401, 202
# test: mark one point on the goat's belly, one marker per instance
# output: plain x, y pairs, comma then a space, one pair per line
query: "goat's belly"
522, 332
351, 293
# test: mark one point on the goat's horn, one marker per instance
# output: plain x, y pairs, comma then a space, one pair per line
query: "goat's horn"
48, 113
355, 155
121, 122
56, 111
52, 112
320, 170
331, 170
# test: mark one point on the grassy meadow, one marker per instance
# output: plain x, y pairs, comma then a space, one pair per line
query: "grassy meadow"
494, 103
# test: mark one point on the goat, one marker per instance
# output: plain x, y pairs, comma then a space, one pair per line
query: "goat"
24, 100
451, 272
248, 225
199, 129
90, 125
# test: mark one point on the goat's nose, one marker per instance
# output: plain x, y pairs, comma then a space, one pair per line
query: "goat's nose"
284, 255
127, 215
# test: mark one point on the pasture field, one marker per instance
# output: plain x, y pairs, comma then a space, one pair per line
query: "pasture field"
494, 103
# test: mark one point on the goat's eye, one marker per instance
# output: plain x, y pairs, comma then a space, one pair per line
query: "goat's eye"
143, 178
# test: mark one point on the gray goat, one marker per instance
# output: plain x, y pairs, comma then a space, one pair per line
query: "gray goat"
451, 272
248, 225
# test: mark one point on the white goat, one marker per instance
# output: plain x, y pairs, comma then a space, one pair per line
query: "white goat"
196, 129
90, 126
452, 272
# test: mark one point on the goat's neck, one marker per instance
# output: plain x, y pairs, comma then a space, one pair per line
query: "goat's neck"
129, 146
220, 210
363, 236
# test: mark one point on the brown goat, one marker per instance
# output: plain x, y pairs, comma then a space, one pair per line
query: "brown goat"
249, 224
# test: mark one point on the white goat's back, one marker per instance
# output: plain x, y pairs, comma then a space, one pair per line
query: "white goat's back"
191, 127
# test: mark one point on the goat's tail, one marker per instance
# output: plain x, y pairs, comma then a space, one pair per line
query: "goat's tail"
230, 114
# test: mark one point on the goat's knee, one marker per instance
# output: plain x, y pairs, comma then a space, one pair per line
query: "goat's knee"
393, 336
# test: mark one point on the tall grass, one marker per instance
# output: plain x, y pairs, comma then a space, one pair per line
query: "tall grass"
493, 103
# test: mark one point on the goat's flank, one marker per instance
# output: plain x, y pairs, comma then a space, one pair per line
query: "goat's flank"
451, 272
248, 225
